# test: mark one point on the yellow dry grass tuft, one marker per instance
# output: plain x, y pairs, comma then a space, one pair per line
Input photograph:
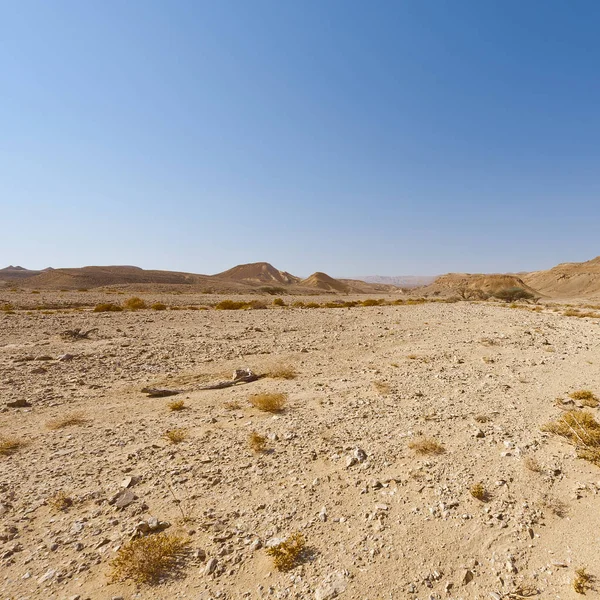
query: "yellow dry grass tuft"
67, 421
134, 303
107, 307
10, 445
176, 405
232, 405
382, 387
582, 581
581, 429
159, 306
148, 559
426, 445
269, 402
60, 501
257, 442
586, 397
287, 554
283, 372
479, 492
175, 436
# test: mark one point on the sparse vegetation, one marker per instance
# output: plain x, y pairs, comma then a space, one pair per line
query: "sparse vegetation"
514, 294
269, 402
175, 436
586, 397
583, 581
278, 302
232, 305
232, 405
107, 307
10, 445
257, 442
382, 387
148, 559
554, 505
287, 554
67, 421
426, 445
532, 464
134, 303
176, 405
479, 492
581, 429
158, 306
283, 372
60, 501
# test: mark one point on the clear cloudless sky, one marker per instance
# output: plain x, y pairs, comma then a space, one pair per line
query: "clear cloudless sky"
400, 137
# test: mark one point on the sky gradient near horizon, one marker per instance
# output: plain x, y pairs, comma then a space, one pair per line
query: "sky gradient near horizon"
355, 138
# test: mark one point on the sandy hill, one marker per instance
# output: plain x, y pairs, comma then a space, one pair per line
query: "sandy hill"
323, 281
401, 281
93, 277
11, 273
569, 280
260, 272
452, 282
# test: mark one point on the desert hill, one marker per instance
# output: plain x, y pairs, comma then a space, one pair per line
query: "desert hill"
323, 281
568, 280
247, 278
15, 273
92, 277
260, 272
489, 283
401, 281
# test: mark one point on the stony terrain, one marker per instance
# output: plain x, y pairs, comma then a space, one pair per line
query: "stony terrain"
380, 520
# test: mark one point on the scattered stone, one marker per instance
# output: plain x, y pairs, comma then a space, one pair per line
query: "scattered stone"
123, 499
467, 577
20, 403
211, 565
332, 586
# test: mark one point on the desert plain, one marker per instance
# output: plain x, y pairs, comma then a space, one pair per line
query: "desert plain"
395, 417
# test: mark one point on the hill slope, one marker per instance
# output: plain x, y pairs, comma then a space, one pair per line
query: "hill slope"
260, 272
570, 280
452, 282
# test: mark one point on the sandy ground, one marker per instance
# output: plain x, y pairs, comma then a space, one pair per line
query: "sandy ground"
479, 378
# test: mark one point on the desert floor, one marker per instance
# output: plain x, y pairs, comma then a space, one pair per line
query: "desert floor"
479, 378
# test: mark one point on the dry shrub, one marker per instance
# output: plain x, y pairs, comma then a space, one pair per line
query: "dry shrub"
176, 405
175, 436
382, 387
232, 405
312, 305
581, 429
158, 306
532, 464
269, 402
148, 559
582, 581
283, 372
231, 305
107, 307
60, 501
257, 305
482, 418
10, 445
287, 554
426, 445
257, 442
134, 303
67, 421
278, 302
554, 505
373, 302
586, 397
298, 304
479, 492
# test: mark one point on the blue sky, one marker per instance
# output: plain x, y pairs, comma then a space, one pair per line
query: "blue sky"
403, 137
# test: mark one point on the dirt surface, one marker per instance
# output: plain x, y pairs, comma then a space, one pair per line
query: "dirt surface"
380, 520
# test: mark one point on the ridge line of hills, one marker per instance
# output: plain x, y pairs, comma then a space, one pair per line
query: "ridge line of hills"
570, 280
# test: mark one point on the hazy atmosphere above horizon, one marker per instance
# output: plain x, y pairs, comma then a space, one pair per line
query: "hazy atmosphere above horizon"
355, 138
